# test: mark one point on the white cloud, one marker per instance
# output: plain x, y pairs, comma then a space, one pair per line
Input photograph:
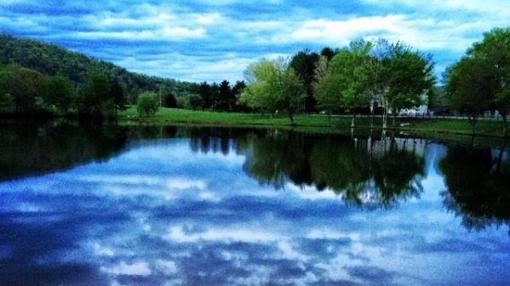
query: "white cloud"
102, 250
177, 234
166, 33
168, 266
136, 268
494, 7
183, 184
209, 36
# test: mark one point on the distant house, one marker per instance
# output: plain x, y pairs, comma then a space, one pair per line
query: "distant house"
417, 111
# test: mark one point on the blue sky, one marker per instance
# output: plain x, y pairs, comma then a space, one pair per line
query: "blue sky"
211, 40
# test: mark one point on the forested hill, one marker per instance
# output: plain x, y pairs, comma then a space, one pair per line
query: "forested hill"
50, 59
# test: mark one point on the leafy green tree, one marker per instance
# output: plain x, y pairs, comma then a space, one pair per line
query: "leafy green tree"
147, 103
470, 87
7, 105
195, 102
320, 88
94, 98
346, 82
273, 86
169, 100
167, 97
12, 87
327, 92
61, 93
494, 49
328, 53
437, 98
304, 63
410, 78
27, 88
378, 77
237, 89
118, 95
502, 103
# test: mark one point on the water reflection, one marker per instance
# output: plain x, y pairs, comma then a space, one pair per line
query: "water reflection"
363, 171
478, 182
212, 206
29, 148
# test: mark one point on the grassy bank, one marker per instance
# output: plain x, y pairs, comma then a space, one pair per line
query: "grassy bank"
415, 126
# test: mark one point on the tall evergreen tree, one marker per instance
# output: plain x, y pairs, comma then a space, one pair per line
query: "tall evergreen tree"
204, 91
224, 96
304, 63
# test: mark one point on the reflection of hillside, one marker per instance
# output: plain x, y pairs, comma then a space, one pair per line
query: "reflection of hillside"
27, 148
478, 185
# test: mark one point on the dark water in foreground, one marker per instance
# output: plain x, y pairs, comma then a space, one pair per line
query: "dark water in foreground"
113, 205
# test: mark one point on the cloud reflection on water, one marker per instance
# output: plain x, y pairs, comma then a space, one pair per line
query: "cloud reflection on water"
163, 213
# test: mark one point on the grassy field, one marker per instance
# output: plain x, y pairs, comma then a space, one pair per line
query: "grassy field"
415, 126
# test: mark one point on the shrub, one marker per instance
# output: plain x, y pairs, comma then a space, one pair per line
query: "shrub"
147, 103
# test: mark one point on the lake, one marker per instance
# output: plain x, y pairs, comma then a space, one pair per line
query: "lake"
149, 205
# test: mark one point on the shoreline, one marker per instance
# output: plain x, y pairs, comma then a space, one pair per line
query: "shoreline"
421, 126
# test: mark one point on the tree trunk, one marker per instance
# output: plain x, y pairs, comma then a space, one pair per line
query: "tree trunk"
371, 115
291, 117
500, 158
385, 116
504, 126
394, 119
473, 124
372, 121
353, 120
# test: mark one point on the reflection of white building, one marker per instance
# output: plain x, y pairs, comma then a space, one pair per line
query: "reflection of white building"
380, 147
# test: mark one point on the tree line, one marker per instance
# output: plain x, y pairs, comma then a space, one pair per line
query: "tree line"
381, 77
50, 59
365, 77
360, 78
221, 96
24, 91
480, 80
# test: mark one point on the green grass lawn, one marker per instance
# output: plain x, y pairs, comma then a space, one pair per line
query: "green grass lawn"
171, 115
417, 126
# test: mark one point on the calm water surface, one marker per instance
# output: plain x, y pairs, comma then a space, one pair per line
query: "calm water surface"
110, 205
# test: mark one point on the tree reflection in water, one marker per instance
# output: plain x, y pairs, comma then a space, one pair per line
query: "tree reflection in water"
365, 171
157, 210
34, 148
478, 185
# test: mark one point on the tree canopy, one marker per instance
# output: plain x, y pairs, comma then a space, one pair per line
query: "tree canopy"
470, 87
51, 60
304, 64
494, 52
147, 103
273, 86
410, 78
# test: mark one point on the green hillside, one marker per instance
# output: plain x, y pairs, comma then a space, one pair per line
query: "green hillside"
51, 59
